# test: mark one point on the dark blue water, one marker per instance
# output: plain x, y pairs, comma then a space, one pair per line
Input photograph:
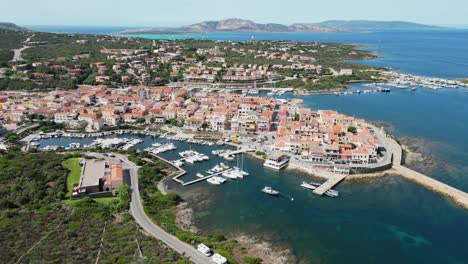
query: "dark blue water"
386, 220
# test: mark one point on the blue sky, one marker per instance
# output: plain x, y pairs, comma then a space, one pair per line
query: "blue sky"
182, 12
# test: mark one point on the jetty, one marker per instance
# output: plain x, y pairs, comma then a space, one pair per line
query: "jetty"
460, 197
202, 179
237, 151
179, 173
333, 179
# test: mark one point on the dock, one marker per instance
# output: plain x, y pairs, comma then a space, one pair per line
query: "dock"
202, 179
180, 171
333, 179
235, 152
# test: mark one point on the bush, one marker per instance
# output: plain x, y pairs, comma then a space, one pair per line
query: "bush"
252, 260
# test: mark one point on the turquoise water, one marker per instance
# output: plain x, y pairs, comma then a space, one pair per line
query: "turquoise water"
385, 220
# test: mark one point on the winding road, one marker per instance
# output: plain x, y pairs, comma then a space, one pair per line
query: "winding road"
17, 55
136, 209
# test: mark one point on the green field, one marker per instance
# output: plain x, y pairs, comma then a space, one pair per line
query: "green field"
73, 165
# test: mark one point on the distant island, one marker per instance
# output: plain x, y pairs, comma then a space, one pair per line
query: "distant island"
243, 25
357, 25
236, 25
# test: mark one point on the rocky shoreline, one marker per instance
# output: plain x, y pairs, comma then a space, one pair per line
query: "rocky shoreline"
247, 245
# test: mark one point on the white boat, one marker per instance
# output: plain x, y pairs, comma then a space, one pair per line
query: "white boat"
332, 193
270, 191
156, 145
190, 160
199, 175
230, 175
241, 172
308, 185
179, 163
216, 180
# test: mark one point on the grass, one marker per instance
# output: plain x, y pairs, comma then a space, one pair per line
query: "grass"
73, 165
102, 200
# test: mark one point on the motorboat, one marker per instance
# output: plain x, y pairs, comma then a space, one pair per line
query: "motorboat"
179, 163
216, 180
199, 175
270, 191
308, 186
332, 193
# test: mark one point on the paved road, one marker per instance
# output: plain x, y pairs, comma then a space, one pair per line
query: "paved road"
17, 52
23, 129
392, 147
136, 208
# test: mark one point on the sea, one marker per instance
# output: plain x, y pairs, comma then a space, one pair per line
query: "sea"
382, 220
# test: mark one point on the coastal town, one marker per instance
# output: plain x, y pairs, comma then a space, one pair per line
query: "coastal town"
318, 136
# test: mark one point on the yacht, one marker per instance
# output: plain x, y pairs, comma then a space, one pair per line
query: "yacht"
270, 191
179, 163
308, 185
216, 180
229, 158
199, 175
276, 161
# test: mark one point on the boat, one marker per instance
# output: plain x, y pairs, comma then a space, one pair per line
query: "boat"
199, 175
179, 163
216, 180
35, 144
308, 185
413, 89
332, 193
270, 191
229, 158
229, 175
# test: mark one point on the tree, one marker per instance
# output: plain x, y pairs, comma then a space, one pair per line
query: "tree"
296, 117
352, 129
11, 137
140, 120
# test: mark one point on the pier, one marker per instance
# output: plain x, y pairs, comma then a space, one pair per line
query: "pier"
202, 179
235, 152
333, 179
180, 171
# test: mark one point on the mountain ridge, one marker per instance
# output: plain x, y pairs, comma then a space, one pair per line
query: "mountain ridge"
376, 25
11, 26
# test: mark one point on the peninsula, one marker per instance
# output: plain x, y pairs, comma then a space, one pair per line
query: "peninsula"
244, 25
